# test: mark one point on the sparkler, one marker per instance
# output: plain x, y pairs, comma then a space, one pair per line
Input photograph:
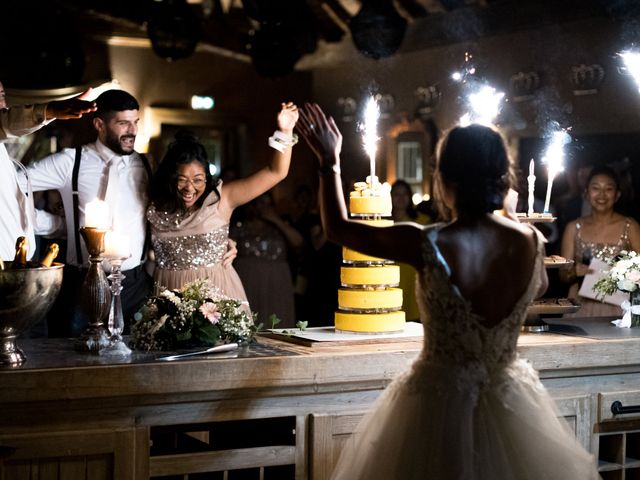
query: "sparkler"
370, 135
632, 63
554, 157
485, 106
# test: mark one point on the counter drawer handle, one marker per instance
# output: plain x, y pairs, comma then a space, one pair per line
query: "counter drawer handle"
618, 409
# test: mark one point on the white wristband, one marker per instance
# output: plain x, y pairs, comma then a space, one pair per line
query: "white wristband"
280, 141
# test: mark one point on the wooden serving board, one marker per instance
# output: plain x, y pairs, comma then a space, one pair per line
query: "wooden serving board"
318, 337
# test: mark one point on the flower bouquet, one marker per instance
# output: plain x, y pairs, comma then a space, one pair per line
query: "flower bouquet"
624, 275
193, 316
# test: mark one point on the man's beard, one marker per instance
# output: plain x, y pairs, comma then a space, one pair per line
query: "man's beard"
113, 142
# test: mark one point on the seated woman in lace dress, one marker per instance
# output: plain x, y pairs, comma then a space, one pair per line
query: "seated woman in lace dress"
602, 234
468, 408
190, 211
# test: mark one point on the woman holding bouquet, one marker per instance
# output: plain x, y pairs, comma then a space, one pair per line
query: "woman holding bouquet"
602, 234
190, 211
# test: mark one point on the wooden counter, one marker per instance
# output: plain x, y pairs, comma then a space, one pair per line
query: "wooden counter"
69, 415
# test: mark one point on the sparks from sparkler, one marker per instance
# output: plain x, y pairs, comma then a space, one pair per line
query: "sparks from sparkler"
554, 158
485, 105
370, 135
631, 61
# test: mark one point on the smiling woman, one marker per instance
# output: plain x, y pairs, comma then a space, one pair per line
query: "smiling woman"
190, 211
601, 235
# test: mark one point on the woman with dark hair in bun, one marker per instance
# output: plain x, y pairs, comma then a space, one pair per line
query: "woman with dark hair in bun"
190, 210
468, 408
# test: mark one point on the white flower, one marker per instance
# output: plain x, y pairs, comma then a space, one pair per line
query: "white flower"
627, 285
210, 312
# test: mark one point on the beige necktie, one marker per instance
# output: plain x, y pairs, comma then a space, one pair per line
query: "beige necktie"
109, 189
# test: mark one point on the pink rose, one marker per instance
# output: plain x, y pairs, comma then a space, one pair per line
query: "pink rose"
210, 312
633, 276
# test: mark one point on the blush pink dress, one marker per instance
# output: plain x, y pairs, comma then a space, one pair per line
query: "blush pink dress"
190, 247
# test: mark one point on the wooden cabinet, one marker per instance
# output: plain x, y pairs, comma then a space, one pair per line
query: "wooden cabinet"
328, 434
82, 455
68, 416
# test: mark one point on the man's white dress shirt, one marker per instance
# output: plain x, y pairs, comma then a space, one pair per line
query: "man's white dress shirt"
55, 171
15, 219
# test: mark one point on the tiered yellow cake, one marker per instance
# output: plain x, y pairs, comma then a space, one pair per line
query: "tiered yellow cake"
369, 301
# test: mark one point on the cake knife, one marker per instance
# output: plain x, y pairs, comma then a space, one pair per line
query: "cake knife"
226, 347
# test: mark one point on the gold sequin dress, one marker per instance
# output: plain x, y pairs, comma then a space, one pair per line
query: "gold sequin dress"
190, 247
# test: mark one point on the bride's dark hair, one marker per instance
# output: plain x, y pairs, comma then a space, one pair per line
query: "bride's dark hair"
163, 190
474, 163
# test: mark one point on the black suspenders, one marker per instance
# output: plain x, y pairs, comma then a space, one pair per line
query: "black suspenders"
76, 207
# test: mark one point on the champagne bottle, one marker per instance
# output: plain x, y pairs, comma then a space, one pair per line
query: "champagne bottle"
52, 253
20, 259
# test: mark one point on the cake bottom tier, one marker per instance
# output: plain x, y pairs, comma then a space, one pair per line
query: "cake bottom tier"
370, 322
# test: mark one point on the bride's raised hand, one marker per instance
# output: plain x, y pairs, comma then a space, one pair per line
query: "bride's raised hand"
321, 134
287, 117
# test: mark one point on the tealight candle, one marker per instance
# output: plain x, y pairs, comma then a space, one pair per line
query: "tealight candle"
116, 245
96, 215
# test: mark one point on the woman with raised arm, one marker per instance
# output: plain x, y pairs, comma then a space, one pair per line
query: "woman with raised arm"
190, 210
468, 408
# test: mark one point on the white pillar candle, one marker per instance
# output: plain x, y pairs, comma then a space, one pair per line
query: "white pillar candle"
531, 179
116, 245
96, 215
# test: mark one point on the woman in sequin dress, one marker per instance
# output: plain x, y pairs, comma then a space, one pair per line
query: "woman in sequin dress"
601, 234
189, 210
468, 408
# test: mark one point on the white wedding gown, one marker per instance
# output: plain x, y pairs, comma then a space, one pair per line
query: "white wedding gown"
468, 408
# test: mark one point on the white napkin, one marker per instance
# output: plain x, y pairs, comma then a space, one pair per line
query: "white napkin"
625, 321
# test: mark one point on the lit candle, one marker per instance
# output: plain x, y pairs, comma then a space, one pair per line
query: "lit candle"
370, 136
116, 245
531, 179
96, 215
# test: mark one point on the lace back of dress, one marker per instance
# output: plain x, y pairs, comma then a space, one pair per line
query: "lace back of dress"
454, 335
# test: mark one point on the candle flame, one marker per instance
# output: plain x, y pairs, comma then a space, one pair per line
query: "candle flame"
632, 63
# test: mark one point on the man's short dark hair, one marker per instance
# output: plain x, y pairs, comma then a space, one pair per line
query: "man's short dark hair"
113, 101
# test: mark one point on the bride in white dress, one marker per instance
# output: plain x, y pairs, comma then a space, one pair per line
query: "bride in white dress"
468, 408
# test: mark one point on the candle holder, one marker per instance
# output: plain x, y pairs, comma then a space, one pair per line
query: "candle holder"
95, 294
115, 324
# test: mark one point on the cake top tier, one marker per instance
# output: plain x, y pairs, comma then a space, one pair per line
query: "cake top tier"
370, 198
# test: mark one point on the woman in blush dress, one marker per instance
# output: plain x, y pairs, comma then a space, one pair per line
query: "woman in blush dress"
189, 210
468, 408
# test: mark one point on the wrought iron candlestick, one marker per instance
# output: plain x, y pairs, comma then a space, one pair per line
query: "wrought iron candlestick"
96, 296
115, 324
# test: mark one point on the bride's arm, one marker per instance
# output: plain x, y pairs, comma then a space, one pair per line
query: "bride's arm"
400, 242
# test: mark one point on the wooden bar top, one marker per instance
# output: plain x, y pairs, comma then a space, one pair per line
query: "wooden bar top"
54, 371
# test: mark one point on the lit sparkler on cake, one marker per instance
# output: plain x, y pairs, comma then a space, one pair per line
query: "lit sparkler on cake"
369, 300
485, 104
554, 159
631, 61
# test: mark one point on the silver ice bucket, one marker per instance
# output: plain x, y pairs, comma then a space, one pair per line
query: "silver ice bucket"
26, 295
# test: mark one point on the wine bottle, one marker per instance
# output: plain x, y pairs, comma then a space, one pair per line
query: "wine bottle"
49, 257
20, 259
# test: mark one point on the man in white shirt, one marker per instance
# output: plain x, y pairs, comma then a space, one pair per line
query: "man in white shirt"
116, 121
17, 217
